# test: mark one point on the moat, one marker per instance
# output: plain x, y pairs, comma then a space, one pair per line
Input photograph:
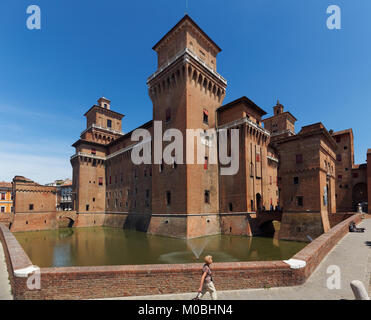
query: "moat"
100, 246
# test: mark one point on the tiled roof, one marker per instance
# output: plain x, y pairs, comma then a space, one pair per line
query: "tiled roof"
4, 184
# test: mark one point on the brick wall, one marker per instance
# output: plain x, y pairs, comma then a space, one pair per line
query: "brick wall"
336, 218
295, 226
33, 221
369, 179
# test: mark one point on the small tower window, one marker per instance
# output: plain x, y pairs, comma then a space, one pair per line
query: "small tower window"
109, 123
168, 198
230, 206
207, 196
205, 116
300, 201
168, 115
299, 158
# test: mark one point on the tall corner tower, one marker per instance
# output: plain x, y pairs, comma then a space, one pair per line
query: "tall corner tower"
88, 163
186, 90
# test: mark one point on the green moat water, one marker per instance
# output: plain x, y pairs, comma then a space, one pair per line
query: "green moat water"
100, 246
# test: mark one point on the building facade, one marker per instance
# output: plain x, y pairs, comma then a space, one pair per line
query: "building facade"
34, 206
64, 196
351, 185
278, 169
6, 201
6, 198
369, 179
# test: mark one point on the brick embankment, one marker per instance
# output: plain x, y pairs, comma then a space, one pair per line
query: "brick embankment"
121, 281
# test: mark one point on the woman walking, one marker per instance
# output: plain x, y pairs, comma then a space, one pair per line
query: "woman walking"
207, 284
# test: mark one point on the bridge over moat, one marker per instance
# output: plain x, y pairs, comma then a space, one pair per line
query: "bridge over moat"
263, 222
66, 218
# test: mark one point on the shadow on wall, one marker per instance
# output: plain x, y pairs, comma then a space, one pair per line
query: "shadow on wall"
138, 223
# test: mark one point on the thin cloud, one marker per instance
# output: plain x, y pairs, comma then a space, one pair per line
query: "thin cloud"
40, 169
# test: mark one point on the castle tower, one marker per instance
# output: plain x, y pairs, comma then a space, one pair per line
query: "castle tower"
88, 163
281, 124
186, 90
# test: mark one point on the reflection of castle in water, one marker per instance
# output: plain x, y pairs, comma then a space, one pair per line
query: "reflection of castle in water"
112, 246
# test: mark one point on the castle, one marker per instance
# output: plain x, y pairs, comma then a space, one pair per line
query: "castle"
310, 175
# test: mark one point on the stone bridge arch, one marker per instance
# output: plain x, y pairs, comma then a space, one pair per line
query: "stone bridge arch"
66, 219
267, 223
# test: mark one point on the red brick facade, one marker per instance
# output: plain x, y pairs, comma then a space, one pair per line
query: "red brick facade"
34, 206
187, 93
351, 179
306, 175
369, 179
277, 167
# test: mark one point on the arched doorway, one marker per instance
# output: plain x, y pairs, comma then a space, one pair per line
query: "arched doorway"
258, 202
359, 194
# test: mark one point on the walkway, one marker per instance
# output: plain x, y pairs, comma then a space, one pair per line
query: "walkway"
352, 255
5, 290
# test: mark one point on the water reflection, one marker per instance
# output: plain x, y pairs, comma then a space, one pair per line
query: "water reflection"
112, 246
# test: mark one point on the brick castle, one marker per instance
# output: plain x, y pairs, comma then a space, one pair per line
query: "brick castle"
309, 175
276, 166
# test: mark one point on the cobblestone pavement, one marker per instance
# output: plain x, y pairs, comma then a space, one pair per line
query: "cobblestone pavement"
5, 290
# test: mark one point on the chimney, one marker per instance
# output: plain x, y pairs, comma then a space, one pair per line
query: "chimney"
104, 103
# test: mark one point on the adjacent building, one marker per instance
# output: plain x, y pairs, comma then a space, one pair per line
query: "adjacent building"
64, 196
34, 206
369, 179
6, 198
351, 178
6, 201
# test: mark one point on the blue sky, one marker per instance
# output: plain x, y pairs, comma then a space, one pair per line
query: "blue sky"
271, 49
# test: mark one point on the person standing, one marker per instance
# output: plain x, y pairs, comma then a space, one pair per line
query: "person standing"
207, 284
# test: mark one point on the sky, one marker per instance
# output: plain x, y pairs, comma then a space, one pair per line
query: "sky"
272, 49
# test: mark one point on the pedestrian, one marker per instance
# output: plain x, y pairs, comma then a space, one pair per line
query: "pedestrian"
207, 284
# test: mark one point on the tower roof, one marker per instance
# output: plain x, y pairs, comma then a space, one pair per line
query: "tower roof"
111, 112
186, 19
246, 101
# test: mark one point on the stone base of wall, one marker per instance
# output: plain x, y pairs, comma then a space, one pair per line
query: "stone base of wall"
235, 224
169, 225
33, 221
179, 226
296, 226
